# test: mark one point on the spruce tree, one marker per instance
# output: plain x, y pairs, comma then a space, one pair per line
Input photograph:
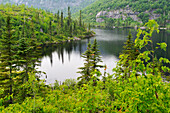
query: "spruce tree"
50, 31
69, 17
32, 30
58, 16
7, 61
22, 55
75, 27
96, 58
27, 58
130, 48
130, 53
62, 23
87, 69
71, 30
80, 21
69, 22
92, 58
89, 27
27, 53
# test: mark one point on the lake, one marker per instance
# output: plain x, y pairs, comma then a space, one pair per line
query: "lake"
62, 61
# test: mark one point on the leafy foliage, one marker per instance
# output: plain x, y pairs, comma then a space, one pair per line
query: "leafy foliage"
146, 62
131, 95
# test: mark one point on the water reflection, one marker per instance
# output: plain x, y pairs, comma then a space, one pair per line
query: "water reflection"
61, 61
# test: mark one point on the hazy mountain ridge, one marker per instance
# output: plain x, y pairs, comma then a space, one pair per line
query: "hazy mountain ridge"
53, 5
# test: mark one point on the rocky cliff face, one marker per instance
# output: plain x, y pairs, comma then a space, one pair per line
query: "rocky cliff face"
123, 13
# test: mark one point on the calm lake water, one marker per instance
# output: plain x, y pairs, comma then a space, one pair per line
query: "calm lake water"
62, 61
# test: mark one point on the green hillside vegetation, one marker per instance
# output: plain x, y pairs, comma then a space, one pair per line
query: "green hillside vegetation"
45, 27
135, 86
143, 9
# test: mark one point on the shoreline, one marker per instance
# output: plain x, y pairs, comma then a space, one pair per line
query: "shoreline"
121, 27
69, 39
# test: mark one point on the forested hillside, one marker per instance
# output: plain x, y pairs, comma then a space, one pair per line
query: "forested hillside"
53, 5
44, 26
127, 12
109, 13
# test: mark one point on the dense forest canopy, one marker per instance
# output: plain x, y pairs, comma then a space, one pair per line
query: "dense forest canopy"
41, 23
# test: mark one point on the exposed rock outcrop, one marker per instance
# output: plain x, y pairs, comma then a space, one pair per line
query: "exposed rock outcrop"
152, 14
101, 13
99, 20
124, 13
121, 13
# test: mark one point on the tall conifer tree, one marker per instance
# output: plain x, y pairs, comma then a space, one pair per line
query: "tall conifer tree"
130, 53
87, 69
80, 21
50, 30
92, 58
62, 23
96, 58
7, 62
89, 27
130, 48
75, 27
69, 17
58, 16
